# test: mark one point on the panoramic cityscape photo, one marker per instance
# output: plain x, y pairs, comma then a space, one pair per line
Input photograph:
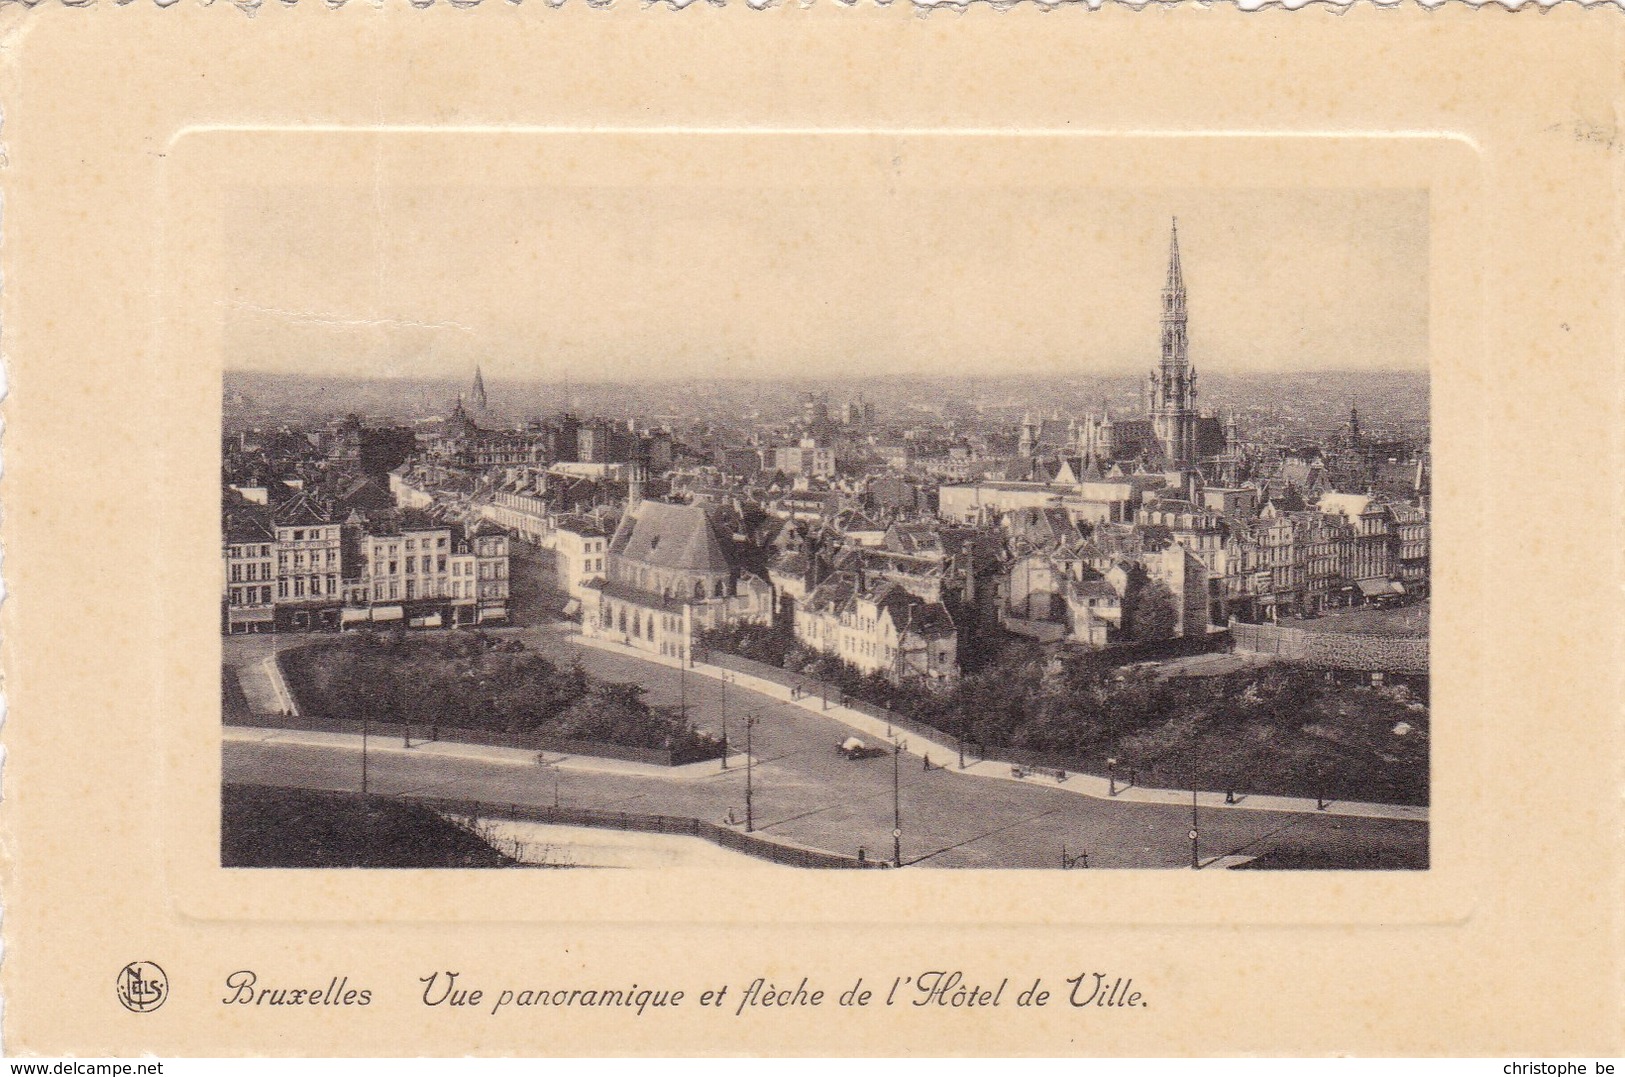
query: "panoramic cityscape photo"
1146, 592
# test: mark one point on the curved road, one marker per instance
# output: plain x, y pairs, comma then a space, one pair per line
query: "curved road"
807, 793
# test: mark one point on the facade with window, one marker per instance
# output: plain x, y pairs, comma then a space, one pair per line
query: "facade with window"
669, 571
582, 551
249, 549
428, 574
489, 544
881, 628
309, 566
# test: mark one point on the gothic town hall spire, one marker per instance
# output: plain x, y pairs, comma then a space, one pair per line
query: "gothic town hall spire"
1172, 387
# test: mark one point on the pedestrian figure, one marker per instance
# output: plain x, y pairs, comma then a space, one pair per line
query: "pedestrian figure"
927, 761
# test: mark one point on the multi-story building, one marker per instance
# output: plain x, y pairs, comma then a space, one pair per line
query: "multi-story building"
600, 441
880, 628
461, 441
1185, 574
250, 558
1348, 550
520, 508
1085, 500
1317, 540
581, 549
1411, 526
808, 457
301, 567
427, 573
1369, 560
491, 548
410, 571
1094, 611
371, 450
1278, 555
672, 570
309, 565
1198, 529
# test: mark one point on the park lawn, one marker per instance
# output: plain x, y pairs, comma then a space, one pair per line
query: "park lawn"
469, 680
1274, 729
263, 827
1352, 753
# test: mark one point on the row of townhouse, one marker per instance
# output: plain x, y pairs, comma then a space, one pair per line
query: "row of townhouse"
430, 575
297, 567
880, 627
1349, 550
523, 512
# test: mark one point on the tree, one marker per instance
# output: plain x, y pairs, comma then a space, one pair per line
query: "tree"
1148, 612
1154, 538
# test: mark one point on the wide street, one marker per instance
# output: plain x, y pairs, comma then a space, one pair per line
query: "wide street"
808, 793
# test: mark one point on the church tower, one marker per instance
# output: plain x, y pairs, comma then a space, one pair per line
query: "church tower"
1029, 436
476, 393
1172, 387
637, 476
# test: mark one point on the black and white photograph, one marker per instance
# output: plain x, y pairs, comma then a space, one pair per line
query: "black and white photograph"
868, 526
731, 535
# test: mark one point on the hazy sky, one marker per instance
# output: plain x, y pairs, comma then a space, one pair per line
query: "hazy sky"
629, 282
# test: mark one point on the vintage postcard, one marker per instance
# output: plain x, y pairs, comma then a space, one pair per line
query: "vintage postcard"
811, 532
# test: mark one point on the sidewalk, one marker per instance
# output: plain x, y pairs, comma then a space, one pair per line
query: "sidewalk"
263, 686
517, 757
944, 752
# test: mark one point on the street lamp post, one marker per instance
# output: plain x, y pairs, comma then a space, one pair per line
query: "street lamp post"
1195, 862
725, 677
750, 818
896, 804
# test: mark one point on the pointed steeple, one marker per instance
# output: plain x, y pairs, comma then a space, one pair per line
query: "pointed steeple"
1171, 388
1176, 278
476, 393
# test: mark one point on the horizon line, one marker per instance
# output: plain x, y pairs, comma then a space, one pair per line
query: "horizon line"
680, 378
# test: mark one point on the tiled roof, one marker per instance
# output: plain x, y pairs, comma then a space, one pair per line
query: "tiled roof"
789, 563
585, 526
242, 525
683, 537
300, 511
637, 595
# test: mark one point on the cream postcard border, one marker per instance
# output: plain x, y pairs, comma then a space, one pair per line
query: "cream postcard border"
105, 701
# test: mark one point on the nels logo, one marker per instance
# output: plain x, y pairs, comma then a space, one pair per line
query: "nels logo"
142, 986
